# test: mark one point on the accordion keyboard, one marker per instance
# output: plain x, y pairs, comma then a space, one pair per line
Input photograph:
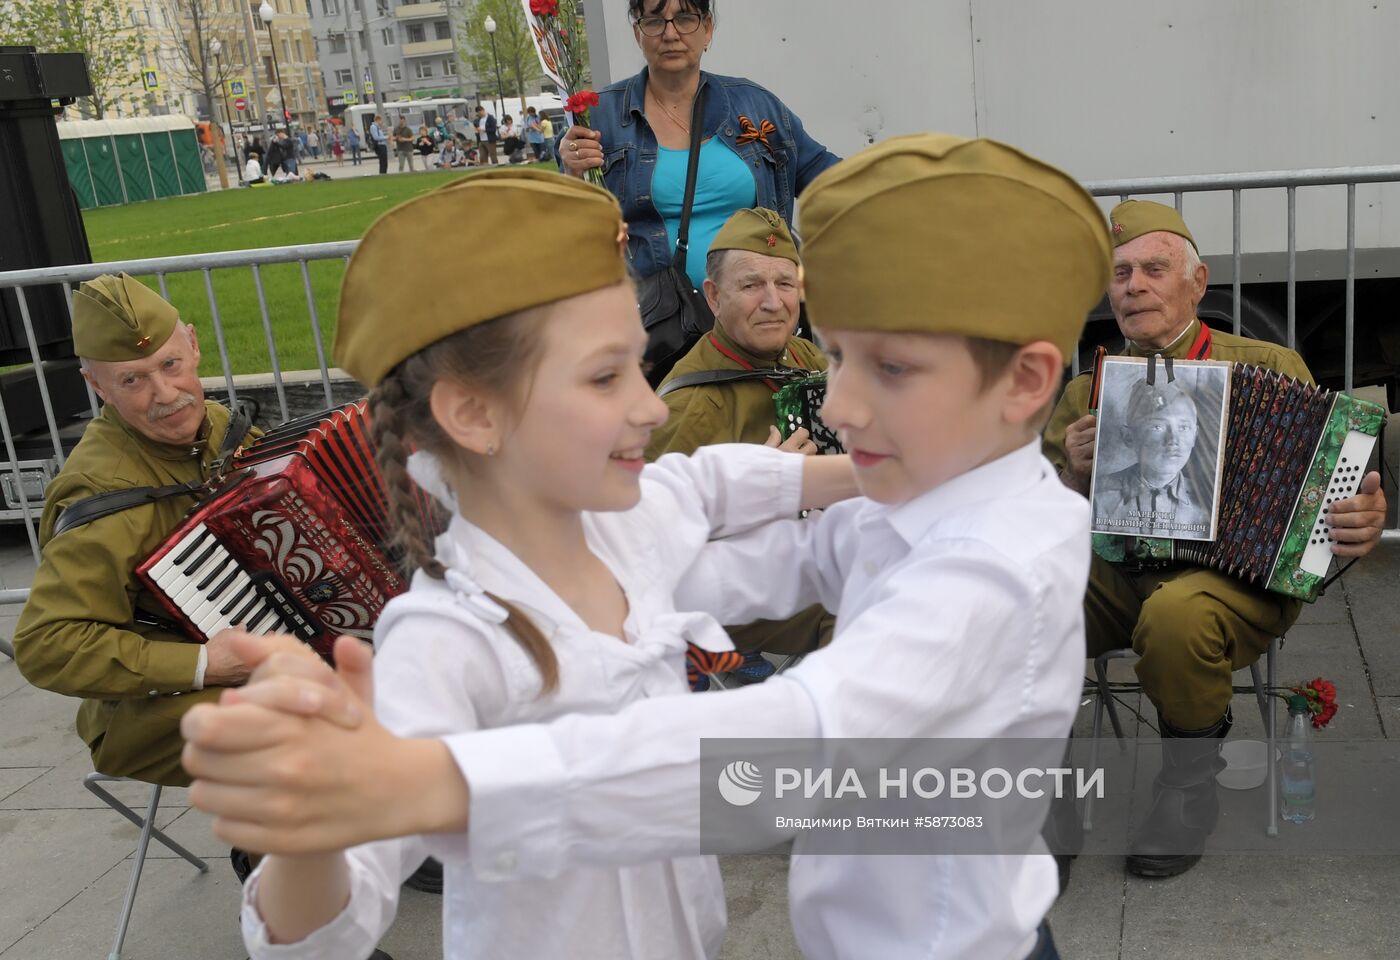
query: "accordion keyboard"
204, 581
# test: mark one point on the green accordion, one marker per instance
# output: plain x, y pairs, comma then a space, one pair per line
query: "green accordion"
1291, 450
799, 404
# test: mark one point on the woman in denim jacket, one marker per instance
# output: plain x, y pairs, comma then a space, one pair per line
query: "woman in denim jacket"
755, 151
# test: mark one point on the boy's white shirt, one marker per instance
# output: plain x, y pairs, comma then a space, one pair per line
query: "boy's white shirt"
445, 665
959, 614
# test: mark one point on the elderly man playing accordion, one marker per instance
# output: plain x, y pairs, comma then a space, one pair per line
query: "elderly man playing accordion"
715, 393
1192, 627
88, 629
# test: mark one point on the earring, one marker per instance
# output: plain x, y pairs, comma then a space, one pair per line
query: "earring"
490, 449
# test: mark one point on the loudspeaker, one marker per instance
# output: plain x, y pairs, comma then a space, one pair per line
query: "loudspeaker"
35, 196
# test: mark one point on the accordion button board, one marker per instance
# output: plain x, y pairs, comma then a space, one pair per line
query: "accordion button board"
1345, 481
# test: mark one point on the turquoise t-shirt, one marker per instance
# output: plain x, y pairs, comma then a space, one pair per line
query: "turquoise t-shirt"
723, 184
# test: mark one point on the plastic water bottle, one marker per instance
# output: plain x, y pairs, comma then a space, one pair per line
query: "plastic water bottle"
1299, 776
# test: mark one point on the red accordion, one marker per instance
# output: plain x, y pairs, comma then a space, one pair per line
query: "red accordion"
293, 542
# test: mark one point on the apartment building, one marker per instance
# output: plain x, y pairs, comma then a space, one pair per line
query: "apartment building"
412, 43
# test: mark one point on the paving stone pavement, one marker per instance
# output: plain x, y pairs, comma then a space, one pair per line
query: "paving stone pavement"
65, 858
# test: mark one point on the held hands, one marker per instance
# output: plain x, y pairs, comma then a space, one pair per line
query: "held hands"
581, 150
1079, 453
296, 762
800, 441
1357, 521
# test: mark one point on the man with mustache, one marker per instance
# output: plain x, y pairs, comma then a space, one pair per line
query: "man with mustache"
1191, 626
88, 629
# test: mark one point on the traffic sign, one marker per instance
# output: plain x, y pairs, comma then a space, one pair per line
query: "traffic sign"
237, 88
369, 88
349, 96
240, 104
150, 79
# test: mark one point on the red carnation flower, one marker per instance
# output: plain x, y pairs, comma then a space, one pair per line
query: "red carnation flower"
544, 8
1321, 696
581, 102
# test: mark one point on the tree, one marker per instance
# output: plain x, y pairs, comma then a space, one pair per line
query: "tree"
201, 25
94, 28
519, 63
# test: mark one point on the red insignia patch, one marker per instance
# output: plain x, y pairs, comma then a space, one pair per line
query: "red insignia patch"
1117, 229
143, 343
772, 240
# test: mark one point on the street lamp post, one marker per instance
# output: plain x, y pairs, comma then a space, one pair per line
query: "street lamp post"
266, 13
217, 48
500, 87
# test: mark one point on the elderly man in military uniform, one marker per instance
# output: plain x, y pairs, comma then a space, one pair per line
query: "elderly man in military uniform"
753, 285
88, 629
1156, 496
1192, 627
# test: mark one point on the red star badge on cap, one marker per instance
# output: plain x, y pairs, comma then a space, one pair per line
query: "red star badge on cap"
772, 240
1117, 229
143, 343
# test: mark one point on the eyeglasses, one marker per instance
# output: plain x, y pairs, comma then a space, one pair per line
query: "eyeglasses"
656, 26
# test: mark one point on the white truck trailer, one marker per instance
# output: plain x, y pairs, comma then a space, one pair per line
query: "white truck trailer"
1123, 89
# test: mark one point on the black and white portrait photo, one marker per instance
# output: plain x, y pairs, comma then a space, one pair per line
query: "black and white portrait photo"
1157, 453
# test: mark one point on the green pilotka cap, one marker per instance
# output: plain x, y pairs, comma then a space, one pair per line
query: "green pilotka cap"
1133, 218
119, 318
514, 206
914, 235
757, 230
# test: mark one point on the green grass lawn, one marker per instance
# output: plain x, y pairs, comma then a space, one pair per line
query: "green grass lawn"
312, 212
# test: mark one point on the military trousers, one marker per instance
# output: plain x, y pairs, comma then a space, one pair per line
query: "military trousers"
140, 737
1191, 627
799, 634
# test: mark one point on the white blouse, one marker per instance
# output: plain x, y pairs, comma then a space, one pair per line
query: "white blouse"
444, 665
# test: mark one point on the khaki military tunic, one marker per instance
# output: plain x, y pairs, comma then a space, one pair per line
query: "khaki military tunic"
739, 412
1191, 626
727, 412
81, 633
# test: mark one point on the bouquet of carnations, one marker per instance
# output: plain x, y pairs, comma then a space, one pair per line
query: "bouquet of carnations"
1319, 695
555, 27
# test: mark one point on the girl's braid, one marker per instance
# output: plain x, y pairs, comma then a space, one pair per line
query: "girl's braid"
388, 405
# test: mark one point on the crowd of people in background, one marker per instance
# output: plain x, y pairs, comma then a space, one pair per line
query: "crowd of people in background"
445, 142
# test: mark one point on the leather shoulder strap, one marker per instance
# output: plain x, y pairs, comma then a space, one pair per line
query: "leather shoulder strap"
705, 378
101, 505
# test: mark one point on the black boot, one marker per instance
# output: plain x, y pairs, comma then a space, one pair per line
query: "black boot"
1185, 806
427, 878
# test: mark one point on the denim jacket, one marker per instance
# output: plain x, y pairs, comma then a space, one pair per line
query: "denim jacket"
780, 171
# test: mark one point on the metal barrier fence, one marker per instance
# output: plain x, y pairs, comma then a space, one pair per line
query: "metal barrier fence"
161, 268
1288, 180
255, 260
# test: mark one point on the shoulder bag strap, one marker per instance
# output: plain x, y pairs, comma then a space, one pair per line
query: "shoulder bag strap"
697, 120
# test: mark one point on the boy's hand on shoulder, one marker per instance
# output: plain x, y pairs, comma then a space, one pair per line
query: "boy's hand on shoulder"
1079, 453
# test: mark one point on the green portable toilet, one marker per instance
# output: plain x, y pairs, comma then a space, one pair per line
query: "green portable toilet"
78, 173
132, 163
129, 159
160, 157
